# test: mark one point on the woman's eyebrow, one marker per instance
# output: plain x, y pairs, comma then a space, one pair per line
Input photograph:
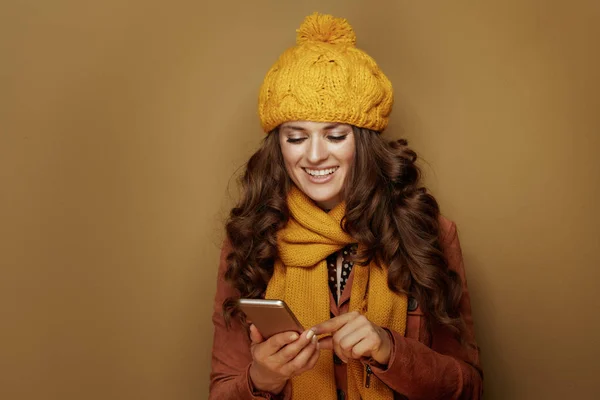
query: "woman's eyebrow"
299, 128
293, 128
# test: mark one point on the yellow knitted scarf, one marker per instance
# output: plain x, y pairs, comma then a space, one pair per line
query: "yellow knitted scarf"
300, 279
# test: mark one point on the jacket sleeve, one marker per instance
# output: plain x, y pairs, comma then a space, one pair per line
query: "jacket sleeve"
231, 357
447, 370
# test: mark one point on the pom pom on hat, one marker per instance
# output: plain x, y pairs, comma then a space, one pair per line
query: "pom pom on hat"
326, 29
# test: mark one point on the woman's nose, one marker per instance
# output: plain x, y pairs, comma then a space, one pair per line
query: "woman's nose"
317, 150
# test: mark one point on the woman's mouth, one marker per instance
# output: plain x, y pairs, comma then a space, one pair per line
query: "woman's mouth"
320, 175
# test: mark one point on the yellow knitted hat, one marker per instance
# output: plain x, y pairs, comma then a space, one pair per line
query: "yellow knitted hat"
325, 78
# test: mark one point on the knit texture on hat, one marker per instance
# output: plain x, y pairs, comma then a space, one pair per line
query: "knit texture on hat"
325, 78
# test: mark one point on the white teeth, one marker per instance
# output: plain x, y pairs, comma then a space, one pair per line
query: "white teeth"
320, 172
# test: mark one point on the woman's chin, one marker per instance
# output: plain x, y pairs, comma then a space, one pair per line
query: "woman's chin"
321, 193
325, 201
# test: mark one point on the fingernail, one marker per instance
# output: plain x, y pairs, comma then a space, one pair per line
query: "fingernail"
293, 336
315, 340
310, 334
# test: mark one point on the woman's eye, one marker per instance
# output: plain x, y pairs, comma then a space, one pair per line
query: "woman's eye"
295, 140
337, 138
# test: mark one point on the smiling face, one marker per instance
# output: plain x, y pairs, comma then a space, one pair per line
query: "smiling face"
318, 157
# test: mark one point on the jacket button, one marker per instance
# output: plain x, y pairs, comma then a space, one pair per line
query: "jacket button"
341, 395
412, 304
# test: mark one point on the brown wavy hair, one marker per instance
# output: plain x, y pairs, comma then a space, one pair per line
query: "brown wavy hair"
387, 210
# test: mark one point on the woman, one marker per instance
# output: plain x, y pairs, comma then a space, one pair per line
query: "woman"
333, 221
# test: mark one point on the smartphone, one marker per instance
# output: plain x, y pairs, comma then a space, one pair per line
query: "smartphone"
270, 316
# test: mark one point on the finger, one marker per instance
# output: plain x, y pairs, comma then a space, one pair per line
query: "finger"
364, 348
354, 325
289, 352
276, 342
348, 341
335, 323
311, 362
326, 343
337, 349
255, 335
303, 356
348, 336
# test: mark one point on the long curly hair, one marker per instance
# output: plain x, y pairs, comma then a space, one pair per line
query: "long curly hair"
387, 211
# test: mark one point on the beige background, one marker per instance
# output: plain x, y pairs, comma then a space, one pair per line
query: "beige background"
122, 122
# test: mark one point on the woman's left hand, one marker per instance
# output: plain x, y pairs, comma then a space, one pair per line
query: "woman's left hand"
354, 336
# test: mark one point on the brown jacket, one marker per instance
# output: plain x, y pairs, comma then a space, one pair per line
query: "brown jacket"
424, 365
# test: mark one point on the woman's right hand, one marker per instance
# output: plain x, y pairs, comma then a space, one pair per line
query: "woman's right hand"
280, 357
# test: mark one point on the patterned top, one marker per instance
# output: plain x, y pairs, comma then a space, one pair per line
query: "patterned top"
337, 279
